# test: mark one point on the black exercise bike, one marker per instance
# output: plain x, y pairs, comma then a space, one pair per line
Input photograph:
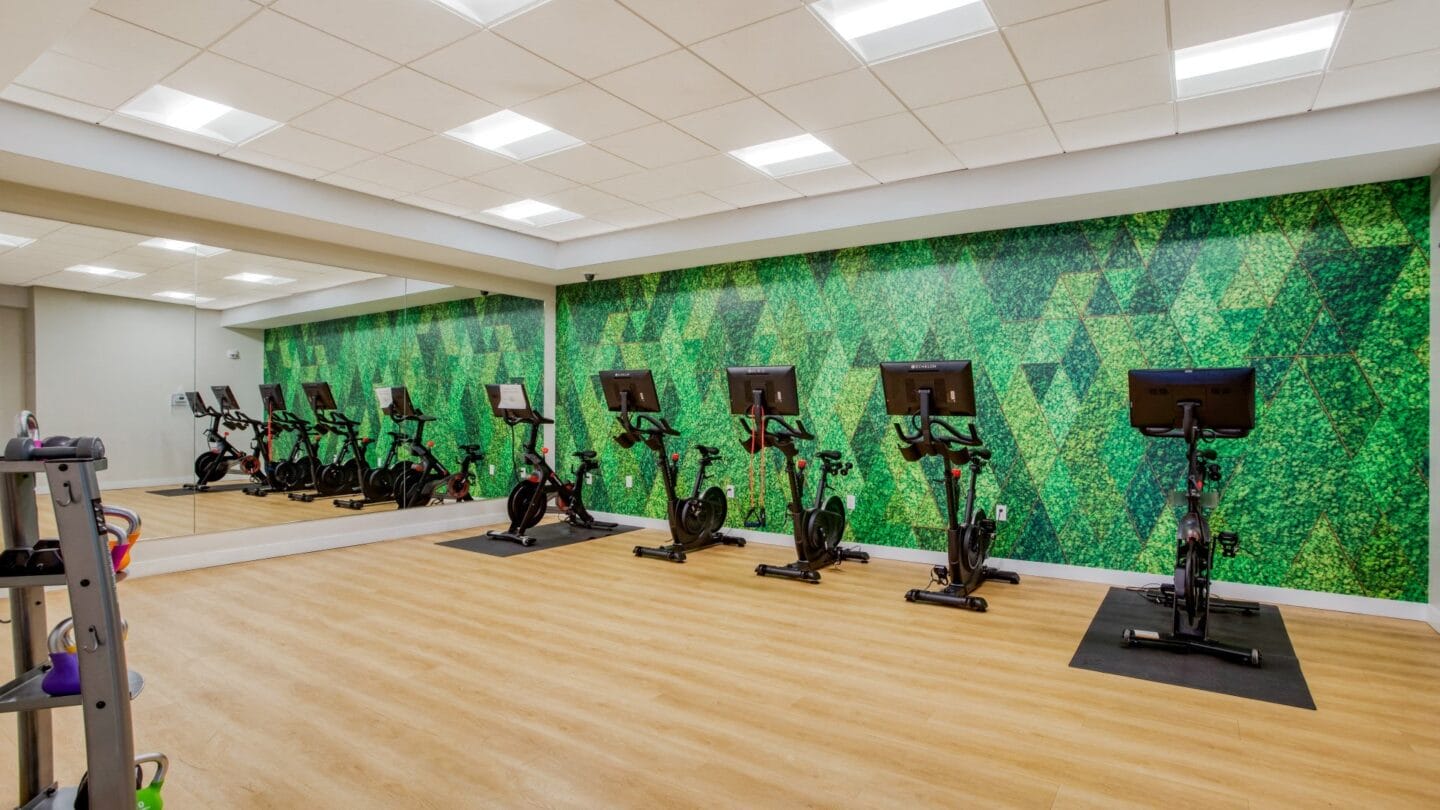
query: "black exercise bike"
426, 480
1179, 403
219, 456
925, 392
695, 520
531, 495
758, 396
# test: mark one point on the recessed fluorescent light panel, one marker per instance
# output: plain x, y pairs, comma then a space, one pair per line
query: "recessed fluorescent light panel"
260, 278
203, 251
200, 116
7, 241
108, 272
884, 29
176, 295
533, 212
802, 153
513, 135
1265, 56
489, 12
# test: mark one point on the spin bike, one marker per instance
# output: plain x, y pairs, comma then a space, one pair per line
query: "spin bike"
762, 397
220, 455
1196, 405
529, 497
926, 391
695, 520
349, 465
377, 483
426, 480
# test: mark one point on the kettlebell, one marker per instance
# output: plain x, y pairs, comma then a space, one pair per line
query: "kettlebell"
147, 797
63, 678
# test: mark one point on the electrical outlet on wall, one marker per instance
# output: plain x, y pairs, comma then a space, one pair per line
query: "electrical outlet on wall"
589, 479
629, 481
850, 501
730, 491
1002, 512
492, 470
177, 400
233, 354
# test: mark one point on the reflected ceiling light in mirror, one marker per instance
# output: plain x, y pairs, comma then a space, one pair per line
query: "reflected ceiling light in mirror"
533, 212
200, 116
513, 135
1283, 52
782, 158
489, 12
203, 251
8, 242
177, 295
97, 270
260, 278
884, 29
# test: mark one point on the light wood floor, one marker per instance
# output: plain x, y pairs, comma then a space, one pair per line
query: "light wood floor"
213, 511
405, 674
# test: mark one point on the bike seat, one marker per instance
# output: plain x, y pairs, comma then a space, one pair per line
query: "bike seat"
585, 455
829, 455
706, 450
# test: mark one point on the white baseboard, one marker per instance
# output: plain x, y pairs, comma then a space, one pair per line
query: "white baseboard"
1433, 615
1366, 605
170, 554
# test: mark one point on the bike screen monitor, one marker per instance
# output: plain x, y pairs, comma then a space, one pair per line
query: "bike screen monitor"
197, 405
774, 386
272, 396
509, 400
951, 384
225, 397
319, 396
1223, 399
395, 401
634, 388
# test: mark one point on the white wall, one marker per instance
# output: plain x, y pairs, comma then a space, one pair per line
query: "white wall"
107, 366
1434, 406
13, 346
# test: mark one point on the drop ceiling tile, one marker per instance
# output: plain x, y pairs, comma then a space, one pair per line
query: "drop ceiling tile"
421, 100
198, 22
890, 135
450, 156
1125, 86
578, 229
494, 69
585, 164
1382, 31
737, 125
980, 116
526, 181
672, 85
76, 80
969, 67
586, 112
690, 21
691, 205
827, 181
307, 149
789, 49
398, 31
1009, 12
654, 146
1250, 104
636, 216
41, 100
586, 37
189, 140
1122, 127
757, 192
1089, 37
244, 87
285, 47
470, 196
355, 125
28, 227
918, 163
1196, 22
715, 171
397, 174
648, 186
1010, 147
833, 101
1389, 77
585, 201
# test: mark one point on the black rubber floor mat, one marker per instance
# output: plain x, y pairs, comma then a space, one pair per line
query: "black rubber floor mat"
1277, 680
171, 493
549, 535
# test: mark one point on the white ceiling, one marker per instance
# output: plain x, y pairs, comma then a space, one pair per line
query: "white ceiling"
661, 89
59, 245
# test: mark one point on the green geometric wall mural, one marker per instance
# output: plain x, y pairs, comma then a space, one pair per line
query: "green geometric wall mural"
1325, 293
444, 353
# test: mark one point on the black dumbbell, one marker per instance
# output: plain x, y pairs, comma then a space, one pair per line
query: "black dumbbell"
55, 448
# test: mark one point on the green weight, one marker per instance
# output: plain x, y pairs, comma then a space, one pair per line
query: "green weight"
148, 797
